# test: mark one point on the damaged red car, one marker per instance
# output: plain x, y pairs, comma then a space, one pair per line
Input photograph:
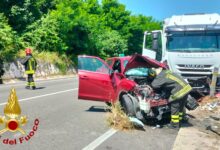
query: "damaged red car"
100, 81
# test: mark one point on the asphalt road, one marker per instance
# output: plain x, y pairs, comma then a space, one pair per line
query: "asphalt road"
66, 123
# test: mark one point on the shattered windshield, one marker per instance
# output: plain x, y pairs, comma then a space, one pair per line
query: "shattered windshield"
139, 71
193, 42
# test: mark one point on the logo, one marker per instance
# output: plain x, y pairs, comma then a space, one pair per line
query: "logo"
194, 66
13, 121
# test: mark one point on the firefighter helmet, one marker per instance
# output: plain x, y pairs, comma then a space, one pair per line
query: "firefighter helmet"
152, 72
28, 51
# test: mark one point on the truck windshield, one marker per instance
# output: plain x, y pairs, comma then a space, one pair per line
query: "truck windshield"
193, 42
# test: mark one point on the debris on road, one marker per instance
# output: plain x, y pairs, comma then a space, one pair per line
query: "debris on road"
117, 119
207, 116
136, 122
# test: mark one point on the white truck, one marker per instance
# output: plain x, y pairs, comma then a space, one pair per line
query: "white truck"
190, 45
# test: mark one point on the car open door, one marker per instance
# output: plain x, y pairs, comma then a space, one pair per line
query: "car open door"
94, 79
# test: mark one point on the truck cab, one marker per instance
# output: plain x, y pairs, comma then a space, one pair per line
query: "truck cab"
190, 45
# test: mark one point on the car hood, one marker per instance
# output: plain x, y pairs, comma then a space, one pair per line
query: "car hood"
138, 60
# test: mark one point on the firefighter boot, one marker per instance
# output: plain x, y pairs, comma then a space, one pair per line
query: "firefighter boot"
27, 85
184, 118
175, 122
174, 126
33, 86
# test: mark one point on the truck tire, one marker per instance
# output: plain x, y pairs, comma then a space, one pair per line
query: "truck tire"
127, 105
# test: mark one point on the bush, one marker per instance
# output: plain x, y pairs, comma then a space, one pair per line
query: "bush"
7, 40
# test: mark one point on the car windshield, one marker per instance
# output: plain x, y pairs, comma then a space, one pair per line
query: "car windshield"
140, 71
193, 42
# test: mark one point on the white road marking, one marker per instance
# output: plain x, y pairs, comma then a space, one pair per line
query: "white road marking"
37, 81
100, 140
30, 98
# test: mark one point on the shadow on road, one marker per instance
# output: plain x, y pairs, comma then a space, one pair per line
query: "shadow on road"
39, 88
97, 109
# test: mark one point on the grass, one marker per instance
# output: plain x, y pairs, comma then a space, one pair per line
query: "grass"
117, 119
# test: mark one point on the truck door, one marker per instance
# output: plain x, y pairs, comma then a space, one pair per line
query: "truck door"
152, 45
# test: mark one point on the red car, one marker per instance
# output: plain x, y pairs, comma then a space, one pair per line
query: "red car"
101, 81
118, 63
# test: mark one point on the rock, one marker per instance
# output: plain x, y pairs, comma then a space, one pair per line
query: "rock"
214, 128
215, 117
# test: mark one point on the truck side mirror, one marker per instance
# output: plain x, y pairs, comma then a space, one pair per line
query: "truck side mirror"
155, 45
155, 37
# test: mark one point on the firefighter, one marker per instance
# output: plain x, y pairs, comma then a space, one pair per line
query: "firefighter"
1, 71
177, 90
30, 65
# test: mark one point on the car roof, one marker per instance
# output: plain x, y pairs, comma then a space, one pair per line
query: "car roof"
121, 58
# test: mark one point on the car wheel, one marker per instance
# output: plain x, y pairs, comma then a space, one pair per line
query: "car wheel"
127, 105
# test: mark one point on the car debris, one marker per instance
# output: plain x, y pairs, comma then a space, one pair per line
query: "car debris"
136, 122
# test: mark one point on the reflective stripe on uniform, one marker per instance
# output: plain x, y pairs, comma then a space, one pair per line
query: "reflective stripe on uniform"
182, 92
32, 84
172, 77
30, 71
181, 115
175, 118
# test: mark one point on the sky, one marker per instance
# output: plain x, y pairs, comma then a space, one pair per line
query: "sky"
161, 9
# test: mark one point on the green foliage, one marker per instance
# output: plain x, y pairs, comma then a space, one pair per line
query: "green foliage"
109, 43
7, 40
44, 35
21, 13
71, 28
137, 25
115, 15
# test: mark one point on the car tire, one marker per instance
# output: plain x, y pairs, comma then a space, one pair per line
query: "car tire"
127, 105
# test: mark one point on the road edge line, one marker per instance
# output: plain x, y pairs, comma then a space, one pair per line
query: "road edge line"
100, 140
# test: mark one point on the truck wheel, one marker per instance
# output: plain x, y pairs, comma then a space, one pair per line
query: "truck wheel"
127, 105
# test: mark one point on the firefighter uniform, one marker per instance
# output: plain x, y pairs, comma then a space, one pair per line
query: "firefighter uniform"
178, 89
30, 65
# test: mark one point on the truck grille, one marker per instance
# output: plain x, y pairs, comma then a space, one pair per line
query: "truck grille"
193, 68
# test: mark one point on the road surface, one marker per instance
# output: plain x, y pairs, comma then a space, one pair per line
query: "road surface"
66, 123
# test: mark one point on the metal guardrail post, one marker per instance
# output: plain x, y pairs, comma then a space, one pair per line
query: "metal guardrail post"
214, 80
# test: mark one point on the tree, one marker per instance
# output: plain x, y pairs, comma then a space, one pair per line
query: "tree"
43, 35
137, 25
109, 43
115, 16
77, 19
22, 13
7, 40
